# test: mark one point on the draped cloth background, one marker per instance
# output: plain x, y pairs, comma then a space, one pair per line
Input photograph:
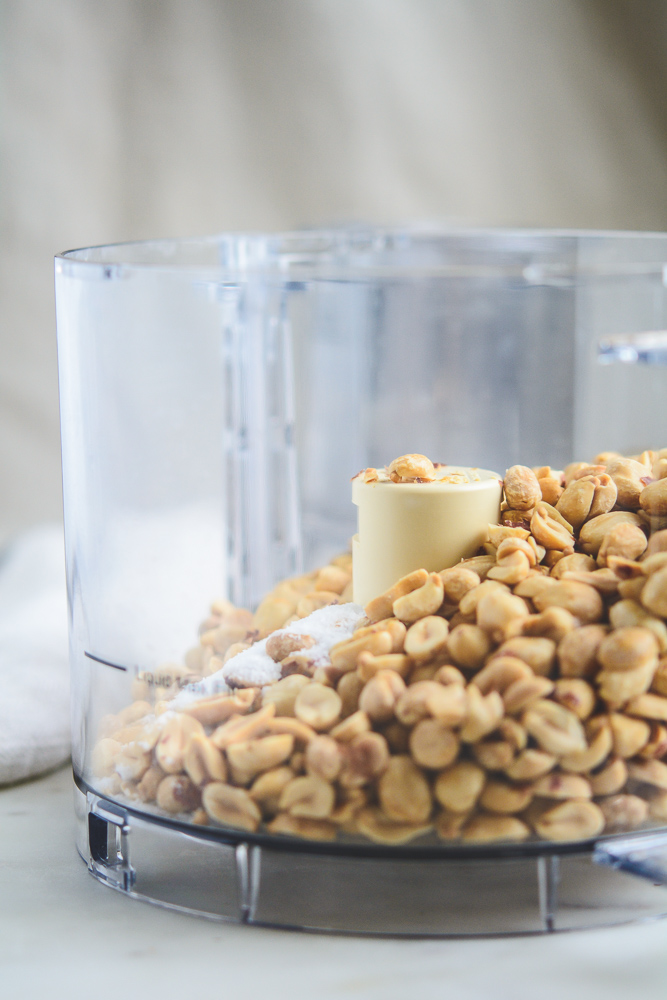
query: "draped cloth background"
142, 118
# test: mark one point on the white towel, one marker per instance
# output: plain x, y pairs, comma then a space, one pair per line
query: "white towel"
34, 670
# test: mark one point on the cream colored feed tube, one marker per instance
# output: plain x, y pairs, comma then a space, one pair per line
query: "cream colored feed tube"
412, 525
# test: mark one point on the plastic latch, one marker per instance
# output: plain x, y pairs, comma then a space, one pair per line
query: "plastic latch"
645, 856
108, 841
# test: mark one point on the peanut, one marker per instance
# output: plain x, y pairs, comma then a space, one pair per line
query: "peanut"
411, 468
574, 820
556, 729
309, 797
468, 646
283, 693
580, 600
522, 490
382, 606
268, 787
623, 812
538, 653
378, 698
484, 829
577, 651
419, 603
344, 655
282, 644
575, 694
433, 745
173, 742
530, 764
378, 828
403, 792
426, 638
324, 758
457, 581
366, 757
459, 787
654, 594
428, 698
610, 779
229, 806
203, 762
177, 794
318, 706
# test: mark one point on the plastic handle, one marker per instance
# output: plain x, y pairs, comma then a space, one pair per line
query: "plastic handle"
645, 857
647, 348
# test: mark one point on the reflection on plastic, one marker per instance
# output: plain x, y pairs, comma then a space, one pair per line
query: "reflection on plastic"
648, 348
645, 856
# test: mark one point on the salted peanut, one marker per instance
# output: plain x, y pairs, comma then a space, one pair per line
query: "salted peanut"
297, 762
458, 787
657, 806
248, 758
538, 653
580, 600
516, 519
525, 692
578, 562
497, 610
411, 468
332, 579
403, 791
419, 603
315, 600
512, 568
548, 531
425, 699
575, 694
617, 687
199, 817
324, 758
468, 646
628, 649
654, 594
447, 674
478, 564
657, 742
349, 689
468, 603
297, 663
365, 758
631, 589
629, 735
382, 606
268, 787
229, 806
318, 706
240, 727
203, 762
623, 812
397, 737
532, 585
650, 563
147, 735
562, 786
522, 490
282, 644
577, 819
653, 498
177, 794
629, 477
426, 672
530, 764
493, 755
344, 655
349, 801
593, 532
576, 500
484, 713
550, 485
352, 726
372, 823
343, 561
485, 829
648, 706
604, 580
132, 761
309, 796
601, 741
500, 672
369, 665
649, 772
554, 623
133, 712
556, 729
610, 779
513, 732
457, 581
216, 709
283, 693
149, 784
509, 546
656, 543
172, 744
624, 541
571, 471
300, 826
379, 696
448, 825
426, 638
577, 651
433, 745
282, 725
501, 797
628, 613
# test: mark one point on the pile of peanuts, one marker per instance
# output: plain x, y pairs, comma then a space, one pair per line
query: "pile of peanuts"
521, 693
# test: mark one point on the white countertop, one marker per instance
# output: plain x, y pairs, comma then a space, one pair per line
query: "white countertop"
63, 935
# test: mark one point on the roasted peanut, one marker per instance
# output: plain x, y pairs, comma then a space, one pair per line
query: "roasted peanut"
538, 653
575, 694
268, 787
653, 498
530, 764
377, 827
500, 672
229, 806
332, 579
352, 726
318, 706
483, 715
430, 699
240, 727
577, 651
493, 754
501, 797
556, 729
526, 691
458, 787
203, 762
484, 829
654, 594
629, 613
629, 735
648, 706
324, 758
149, 784
600, 746
623, 812
379, 696
577, 819
282, 644
177, 794
649, 772
433, 745
554, 623
580, 600
300, 826
628, 649
365, 758
419, 603
497, 610
403, 791
172, 744
657, 742
610, 779
619, 686
103, 757
382, 606
593, 532
248, 758
309, 797
344, 655
132, 762
216, 709
411, 468
468, 646
457, 581
550, 531
578, 562
369, 665
426, 638
349, 689
562, 786
283, 693
522, 490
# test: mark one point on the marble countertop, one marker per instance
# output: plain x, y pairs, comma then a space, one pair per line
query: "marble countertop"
63, 935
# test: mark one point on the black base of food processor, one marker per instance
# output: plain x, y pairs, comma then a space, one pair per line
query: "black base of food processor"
526, 889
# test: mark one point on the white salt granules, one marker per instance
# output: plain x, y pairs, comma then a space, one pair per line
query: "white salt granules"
254, 666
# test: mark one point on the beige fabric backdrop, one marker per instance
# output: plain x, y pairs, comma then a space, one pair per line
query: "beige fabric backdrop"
124, 119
